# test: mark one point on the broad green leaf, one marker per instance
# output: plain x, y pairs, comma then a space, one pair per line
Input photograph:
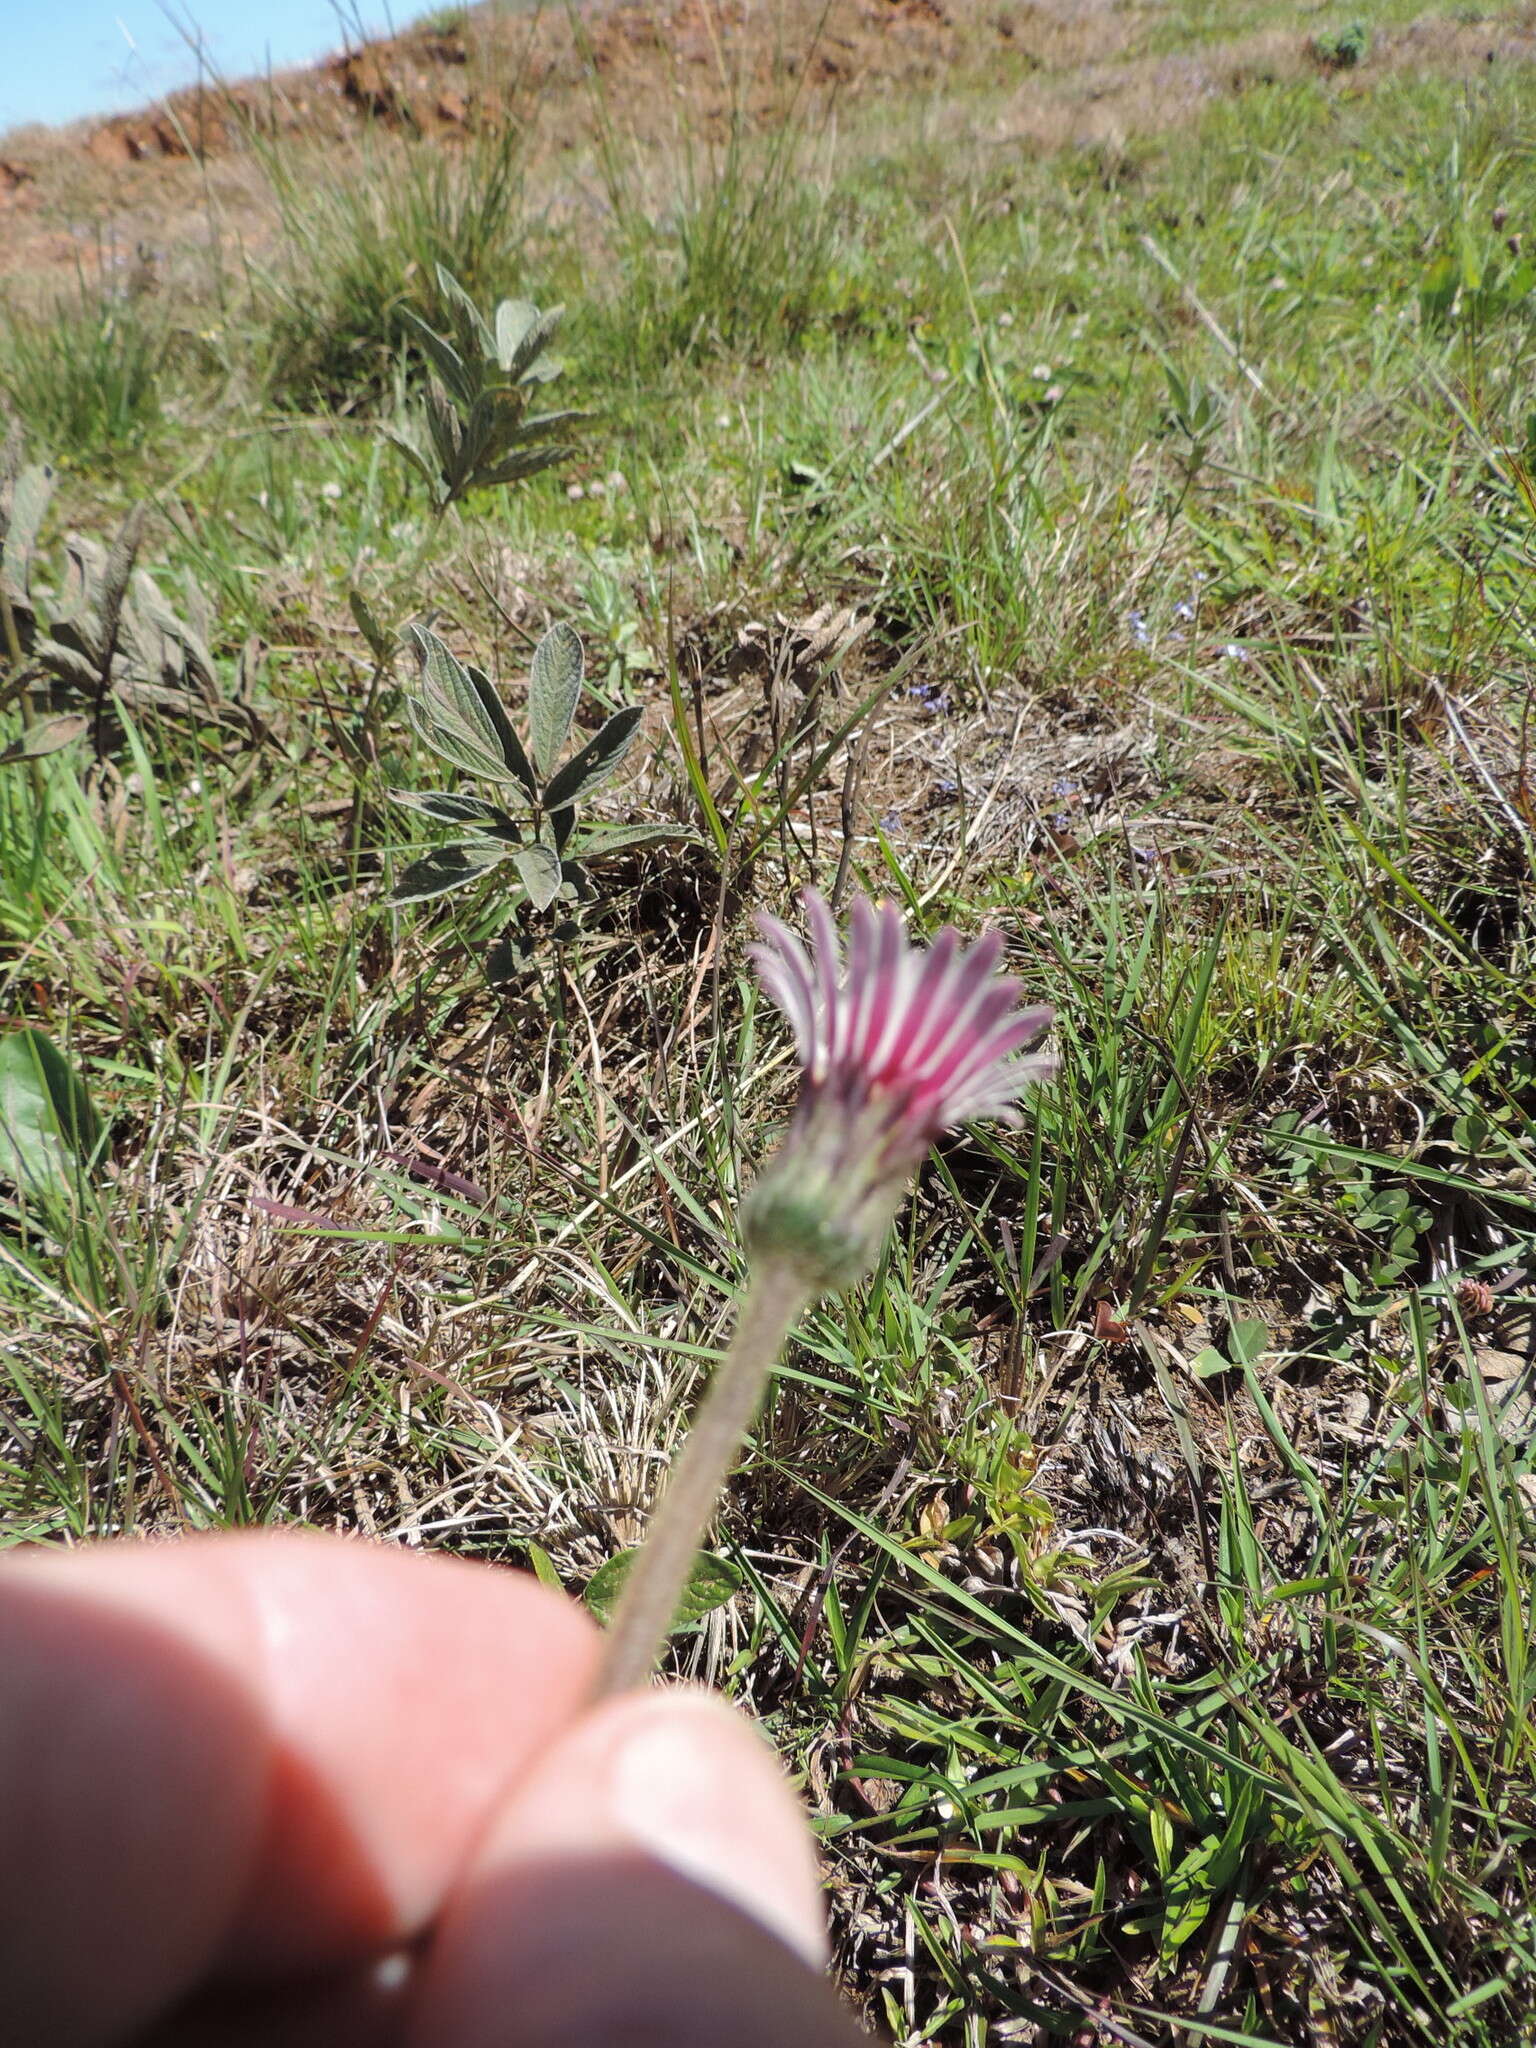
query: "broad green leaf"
450, 715
599, 758
49, 1131
539, 867
600, 844
448, 867
450, 808
1439, 286
712, 1582
554, 685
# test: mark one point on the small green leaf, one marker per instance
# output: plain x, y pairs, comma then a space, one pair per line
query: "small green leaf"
49, 1131
542, 1565
1248, 1340
712, 1582
601, 757
447, 867
539, 867
1209, 1364
554, 685
380, 644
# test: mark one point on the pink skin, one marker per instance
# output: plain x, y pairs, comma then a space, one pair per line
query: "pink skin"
236, 1771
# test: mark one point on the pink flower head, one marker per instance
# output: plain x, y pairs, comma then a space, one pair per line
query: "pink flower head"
898, 1047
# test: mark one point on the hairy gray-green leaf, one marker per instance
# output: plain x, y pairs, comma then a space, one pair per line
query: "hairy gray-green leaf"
474, 320
448, 867
21, 514
508, 959
599, 758
114, 580
539, 867
444, 357
447, 435
527, 462
45, 738
538, 426
57, 658
413, 454
450, 808
575, 873
599, 845
49, 1130
515, 321
450, 715
506, 733
554, 685
712, 1581
532, 342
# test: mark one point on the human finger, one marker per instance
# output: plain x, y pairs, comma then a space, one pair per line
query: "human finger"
262, 1754
652, 1879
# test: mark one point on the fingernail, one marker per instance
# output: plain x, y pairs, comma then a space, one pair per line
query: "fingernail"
698, 1790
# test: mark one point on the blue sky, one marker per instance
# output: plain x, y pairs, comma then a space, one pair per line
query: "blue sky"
60, 59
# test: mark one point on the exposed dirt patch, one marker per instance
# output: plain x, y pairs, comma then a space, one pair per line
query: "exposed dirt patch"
1043, 74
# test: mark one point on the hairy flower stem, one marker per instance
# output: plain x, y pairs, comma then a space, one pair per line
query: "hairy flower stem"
643, 1620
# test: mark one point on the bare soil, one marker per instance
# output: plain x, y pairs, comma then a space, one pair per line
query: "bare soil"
1038, 75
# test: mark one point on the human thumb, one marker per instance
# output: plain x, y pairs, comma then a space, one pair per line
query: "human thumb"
653, 1881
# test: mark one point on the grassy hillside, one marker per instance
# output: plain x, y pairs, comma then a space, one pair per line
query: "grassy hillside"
1083, 486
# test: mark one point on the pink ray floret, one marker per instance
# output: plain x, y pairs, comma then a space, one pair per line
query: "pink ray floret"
898, 1046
